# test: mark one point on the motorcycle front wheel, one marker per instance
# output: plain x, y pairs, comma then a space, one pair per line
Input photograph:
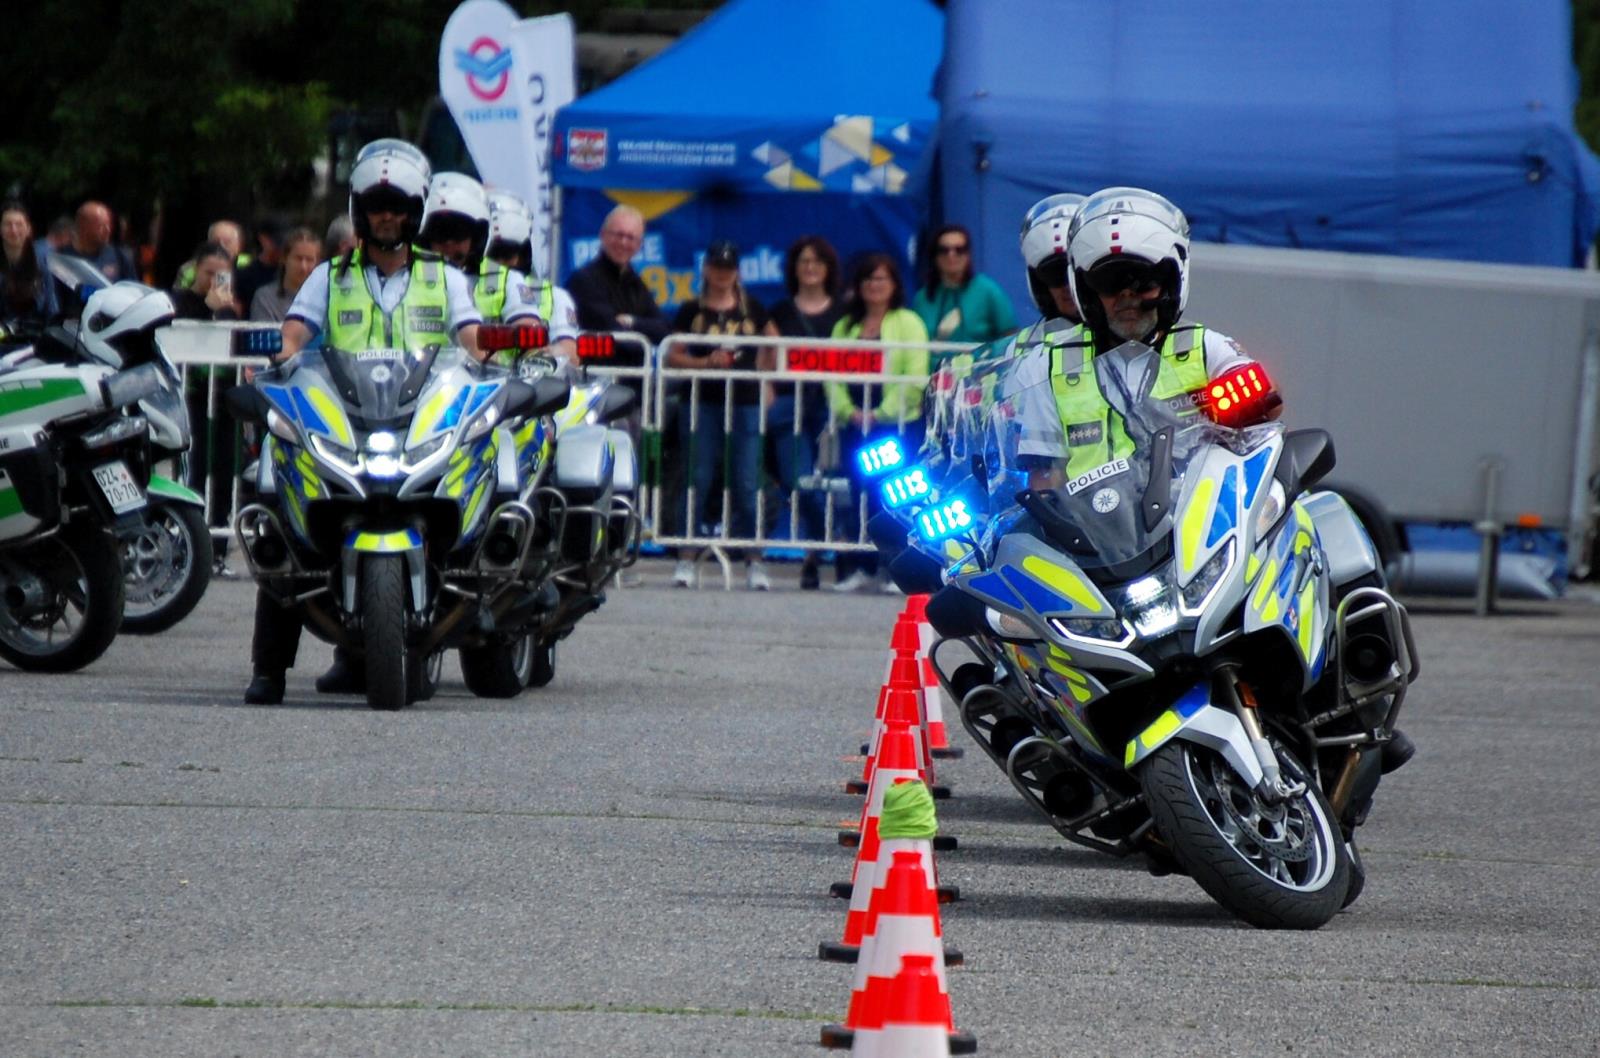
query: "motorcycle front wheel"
1277, 866
391, 668
498, 669
167, 567
65, 607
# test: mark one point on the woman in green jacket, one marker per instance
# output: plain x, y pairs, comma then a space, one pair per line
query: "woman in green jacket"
877, 311
957, 304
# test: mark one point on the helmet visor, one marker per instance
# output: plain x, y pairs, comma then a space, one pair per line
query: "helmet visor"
1115, 276
450, 227
1052, 271
385, 199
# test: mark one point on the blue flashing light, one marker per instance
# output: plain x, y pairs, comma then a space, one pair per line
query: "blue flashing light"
880, 457
907, 487
944, 521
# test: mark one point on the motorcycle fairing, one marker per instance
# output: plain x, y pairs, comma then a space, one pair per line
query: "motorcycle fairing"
166, 488
307, 404
1194, 718
1071, 689
1289, 590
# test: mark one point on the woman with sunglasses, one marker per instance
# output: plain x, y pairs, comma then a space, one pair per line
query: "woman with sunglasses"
956, 303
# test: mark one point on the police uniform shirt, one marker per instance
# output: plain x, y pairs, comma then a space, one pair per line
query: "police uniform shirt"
522, 301
311, 304
1033, 400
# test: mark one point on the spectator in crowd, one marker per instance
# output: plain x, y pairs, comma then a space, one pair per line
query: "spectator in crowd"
724, 309
60, 235
297, 252
811, 275
266, 266
877, 311
228, 235
957, 304
609, 293
26, 294
209, 296
91, 240
341, 237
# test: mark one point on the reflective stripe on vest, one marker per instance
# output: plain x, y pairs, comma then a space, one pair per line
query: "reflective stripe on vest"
355, 320
490, 291
1093, 432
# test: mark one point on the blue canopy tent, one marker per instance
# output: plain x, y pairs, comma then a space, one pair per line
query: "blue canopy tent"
770, 120
1424, 128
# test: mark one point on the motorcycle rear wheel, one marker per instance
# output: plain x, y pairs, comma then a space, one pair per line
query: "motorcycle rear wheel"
383, 632
1276, 867
498, 670
542, 666
80, 568
168, 568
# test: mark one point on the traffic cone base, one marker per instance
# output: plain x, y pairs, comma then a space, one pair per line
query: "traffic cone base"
948, 894
839, 951
949, 752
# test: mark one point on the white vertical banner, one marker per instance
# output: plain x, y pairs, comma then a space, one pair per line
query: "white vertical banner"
547, 67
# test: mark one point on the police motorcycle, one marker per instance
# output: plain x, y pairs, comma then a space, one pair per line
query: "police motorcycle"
75, 474
581, 476
167, 556
390, 511
1184, 652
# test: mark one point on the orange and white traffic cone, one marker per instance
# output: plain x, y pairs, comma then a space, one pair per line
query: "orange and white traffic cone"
916, 1018
902, 918
905, 760
935, 701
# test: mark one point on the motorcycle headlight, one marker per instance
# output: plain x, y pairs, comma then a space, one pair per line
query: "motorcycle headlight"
420, 454
1198, 591
482, 424
1148, 603
1099, 629
334, 452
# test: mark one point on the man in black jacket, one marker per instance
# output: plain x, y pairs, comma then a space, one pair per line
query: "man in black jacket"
609, 294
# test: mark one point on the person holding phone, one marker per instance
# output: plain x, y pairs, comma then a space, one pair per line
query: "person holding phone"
209, 295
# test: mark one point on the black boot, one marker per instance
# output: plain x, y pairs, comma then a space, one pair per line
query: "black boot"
345, 676
1397, 751
266, 688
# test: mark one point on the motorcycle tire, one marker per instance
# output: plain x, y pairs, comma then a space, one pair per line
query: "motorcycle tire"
1194, 797
391, 667
542, 667
179, 580
82, 565
498, 670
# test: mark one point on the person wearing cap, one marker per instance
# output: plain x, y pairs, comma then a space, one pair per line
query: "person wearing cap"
385, 293
722, 309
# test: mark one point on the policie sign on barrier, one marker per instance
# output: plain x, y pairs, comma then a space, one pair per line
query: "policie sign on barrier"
837, 361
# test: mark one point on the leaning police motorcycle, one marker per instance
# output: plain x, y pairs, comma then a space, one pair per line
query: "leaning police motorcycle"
391, 512
1184, 651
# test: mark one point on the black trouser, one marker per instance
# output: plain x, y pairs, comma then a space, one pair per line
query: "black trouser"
276, 639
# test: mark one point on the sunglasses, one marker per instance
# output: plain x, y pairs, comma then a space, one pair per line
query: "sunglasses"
1053, 273
946, 249
1123, 275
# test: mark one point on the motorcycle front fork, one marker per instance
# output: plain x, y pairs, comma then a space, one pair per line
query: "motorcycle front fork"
1273, 788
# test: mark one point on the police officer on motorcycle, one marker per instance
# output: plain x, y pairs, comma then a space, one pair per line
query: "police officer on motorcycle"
1045, 228
509, 254
386, 293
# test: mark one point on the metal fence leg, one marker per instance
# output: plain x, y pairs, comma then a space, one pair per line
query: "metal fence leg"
1489, 548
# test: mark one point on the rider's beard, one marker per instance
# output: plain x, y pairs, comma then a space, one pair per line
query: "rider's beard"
1134, 328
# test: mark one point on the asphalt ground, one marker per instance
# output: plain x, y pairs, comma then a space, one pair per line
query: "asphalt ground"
635, 860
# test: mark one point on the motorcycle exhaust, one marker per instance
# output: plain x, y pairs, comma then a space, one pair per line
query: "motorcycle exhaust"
25, 599
1368, 656
261, 538
506, 542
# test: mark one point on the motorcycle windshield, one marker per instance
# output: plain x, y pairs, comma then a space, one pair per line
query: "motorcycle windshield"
1110, 471
380, 384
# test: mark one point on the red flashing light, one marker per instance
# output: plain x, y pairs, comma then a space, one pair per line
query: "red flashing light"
596, 347
496, 337
1242, 397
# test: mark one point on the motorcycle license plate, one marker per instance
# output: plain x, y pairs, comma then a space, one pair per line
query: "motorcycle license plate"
122, 492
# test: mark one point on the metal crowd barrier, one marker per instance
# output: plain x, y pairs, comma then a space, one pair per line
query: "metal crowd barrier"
202, 351
801, 364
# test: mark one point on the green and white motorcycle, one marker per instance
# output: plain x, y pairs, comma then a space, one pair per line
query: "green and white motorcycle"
1184, 651
74, 469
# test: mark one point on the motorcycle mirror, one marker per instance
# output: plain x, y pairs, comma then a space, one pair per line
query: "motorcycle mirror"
615, 402
1307, 458
246, 404
526, 400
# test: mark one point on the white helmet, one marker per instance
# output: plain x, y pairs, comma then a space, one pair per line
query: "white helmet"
118, 323
1044, 246
1117, 231
394, 170
457, 208
510, 225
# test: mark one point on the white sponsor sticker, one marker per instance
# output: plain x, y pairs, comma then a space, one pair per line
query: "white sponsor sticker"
1099, 473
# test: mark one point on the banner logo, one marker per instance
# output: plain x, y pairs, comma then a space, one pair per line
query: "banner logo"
586, 149
487, 65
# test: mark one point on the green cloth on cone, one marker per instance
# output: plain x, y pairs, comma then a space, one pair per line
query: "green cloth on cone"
907, 812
